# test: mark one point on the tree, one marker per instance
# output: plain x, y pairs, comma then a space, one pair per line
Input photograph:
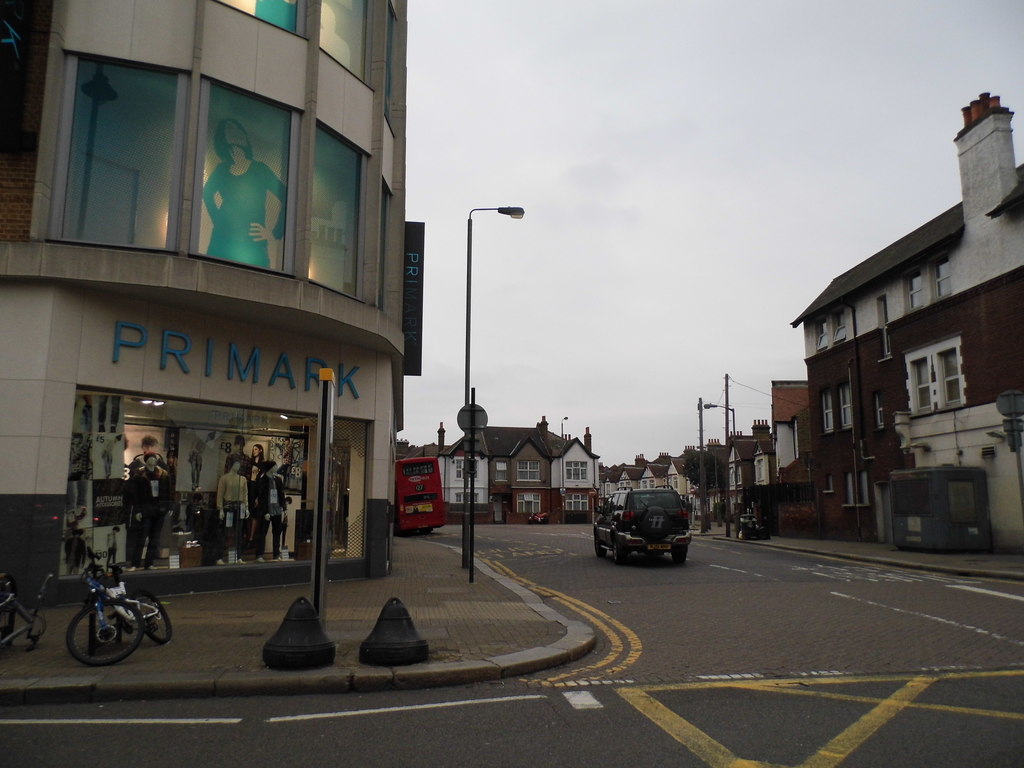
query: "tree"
714, 476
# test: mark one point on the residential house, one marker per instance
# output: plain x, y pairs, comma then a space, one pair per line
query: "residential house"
908, 351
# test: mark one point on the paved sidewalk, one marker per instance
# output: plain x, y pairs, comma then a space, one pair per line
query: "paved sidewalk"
487, 630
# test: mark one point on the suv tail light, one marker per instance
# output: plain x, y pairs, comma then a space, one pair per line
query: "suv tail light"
627, 515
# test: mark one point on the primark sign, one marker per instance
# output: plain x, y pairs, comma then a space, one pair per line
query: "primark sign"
276, 368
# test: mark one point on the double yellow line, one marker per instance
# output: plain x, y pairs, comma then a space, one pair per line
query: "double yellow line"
624, 646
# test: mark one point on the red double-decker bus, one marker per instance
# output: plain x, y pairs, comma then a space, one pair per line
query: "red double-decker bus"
419, 495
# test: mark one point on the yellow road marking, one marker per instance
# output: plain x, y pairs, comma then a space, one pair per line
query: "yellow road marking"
838, 749
625, 646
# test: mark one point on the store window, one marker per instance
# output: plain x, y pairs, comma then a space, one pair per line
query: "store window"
343, 33
122, 156
286, 14
171, 484
245, 166
333, 257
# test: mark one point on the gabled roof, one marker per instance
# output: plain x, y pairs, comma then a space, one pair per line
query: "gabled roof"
943, 230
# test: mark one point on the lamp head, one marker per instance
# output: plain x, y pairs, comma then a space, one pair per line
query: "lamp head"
514, 211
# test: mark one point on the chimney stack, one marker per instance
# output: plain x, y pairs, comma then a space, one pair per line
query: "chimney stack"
440, 437
988, 170
586, 440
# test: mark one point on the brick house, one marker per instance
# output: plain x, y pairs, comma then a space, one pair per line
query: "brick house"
907, 351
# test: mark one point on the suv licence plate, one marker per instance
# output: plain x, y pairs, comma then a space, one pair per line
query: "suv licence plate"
659, 546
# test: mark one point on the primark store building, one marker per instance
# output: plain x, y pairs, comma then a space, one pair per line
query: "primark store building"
201, 207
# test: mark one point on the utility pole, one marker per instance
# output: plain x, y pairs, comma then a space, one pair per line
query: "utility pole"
705, 522
728, 468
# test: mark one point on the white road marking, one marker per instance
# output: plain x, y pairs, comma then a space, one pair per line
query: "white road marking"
125, 721
582, 700
939, 619
410, 708
986, 591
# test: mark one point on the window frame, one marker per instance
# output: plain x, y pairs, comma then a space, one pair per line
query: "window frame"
932, 360
65, 135
838, 327
523, 472
882, 304
525, 502
915, 290
821, 328
500, 471
576, 471
845, 392
827, 413
943, 278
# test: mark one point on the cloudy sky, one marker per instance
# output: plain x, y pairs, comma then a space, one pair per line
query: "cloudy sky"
694, 173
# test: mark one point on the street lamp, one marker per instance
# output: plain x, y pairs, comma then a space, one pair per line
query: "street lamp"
468, 457
564, 419
728, 494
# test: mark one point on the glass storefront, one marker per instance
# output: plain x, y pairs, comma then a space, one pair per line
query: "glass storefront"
172, 484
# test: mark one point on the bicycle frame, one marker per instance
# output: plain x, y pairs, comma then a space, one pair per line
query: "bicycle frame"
12, 606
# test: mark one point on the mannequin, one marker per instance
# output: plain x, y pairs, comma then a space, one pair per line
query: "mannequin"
269, 507
233, 505
147, 497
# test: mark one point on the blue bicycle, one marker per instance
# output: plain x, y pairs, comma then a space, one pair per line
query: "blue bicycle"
109, 628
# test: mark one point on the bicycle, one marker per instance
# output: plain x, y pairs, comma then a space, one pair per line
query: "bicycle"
110, 625
12, 609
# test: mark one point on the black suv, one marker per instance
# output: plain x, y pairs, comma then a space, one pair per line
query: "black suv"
651, 521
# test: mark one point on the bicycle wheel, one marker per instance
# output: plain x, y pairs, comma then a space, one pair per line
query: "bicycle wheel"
100, 638
157, 622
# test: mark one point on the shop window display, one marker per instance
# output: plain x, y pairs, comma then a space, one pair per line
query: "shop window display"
165, 484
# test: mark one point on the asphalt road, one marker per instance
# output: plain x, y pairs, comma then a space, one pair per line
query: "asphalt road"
743, 654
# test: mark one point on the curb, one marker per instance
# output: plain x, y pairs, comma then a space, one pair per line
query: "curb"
892, 562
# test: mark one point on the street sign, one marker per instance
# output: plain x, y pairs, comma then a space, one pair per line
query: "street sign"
472, 416
1011, 404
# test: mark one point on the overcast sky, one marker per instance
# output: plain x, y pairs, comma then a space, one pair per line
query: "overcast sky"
694, 173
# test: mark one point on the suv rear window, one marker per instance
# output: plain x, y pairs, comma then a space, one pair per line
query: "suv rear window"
641, 500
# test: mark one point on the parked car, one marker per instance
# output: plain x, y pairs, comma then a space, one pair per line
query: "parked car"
750, 527
652, 521
538, 517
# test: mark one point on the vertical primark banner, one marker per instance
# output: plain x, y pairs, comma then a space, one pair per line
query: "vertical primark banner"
412, 299
15, 27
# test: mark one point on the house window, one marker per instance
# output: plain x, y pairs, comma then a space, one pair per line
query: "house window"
848, 488
862, 487
528, 471
935, 377
576, 502
245, 166
575, 470
943, 280
122, 185
460, 497
821, 327
826, 410
501, 471
828, 485
845, 406
458, 468
915, 290
839, 323
879, 411
528, 503
334, 227
883, 323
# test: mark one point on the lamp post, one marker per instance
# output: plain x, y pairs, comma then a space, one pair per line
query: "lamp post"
728, 495
467, 456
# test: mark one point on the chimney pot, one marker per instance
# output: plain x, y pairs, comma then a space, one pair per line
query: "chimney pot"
967, 115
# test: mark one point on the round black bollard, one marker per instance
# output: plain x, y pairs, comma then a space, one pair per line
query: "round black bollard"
394, 640
300, 642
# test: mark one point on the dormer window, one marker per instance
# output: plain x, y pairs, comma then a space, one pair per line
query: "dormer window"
839, 324
943, 280
821, 326
915, 290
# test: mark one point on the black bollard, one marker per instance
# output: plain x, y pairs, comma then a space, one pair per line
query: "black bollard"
394, 640
300, 642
